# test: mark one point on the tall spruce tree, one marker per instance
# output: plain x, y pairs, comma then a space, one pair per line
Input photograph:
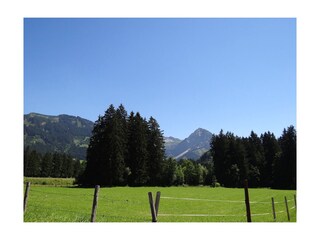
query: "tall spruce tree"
285, 167
137, 150
26, 156
77, 168
107, 149
237, 164
219, 148
271, 150
94, 171
117, 141
46, 165
32, 163
66, 166
255, 157
156, 153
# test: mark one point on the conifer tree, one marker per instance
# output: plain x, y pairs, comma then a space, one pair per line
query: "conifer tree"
285, 176
26, 156
77, 168
117, 142
66, 166
46, 165
33, 164
107, 149
57, 165
255, 157
156, 151
137, 150
94, 170
271, 150
219, 151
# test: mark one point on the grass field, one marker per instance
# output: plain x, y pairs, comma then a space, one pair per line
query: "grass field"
58, 182
178, 204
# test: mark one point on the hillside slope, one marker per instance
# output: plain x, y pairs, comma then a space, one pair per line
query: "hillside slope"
71, 135
63, 133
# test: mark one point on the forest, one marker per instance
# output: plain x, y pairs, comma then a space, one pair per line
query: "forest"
128, 150
55, 165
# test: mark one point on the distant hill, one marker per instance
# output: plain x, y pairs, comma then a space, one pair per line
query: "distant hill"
171, 143
63, 133
192, 147
71, 135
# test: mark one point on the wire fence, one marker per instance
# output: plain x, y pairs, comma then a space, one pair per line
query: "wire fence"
77, 206
242, 202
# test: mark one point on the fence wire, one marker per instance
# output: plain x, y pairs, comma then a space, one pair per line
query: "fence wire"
88, 197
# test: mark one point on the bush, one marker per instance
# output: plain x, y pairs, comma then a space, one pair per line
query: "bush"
215, 184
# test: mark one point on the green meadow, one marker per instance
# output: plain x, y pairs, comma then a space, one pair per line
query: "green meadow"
48, 203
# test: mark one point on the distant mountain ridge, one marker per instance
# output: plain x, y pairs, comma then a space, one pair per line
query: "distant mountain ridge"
62, 133
71, 135
193, 147
171, 143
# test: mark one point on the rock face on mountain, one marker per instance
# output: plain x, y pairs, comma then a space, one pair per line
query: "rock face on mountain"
193, 147
171, 143
63, 133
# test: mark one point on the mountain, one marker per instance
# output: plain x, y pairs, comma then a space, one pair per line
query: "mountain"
63, 133
192, 147
71, 135
171, 143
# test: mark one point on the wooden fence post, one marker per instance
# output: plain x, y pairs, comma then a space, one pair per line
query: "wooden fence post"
273, 209
26, 195
95, 203
157, 202
152, 208
286, 202
246, 194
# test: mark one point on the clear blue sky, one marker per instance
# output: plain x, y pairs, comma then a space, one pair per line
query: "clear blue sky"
232, 74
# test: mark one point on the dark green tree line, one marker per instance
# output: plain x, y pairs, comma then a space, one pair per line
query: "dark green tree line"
129, 150
265, 161
56, 165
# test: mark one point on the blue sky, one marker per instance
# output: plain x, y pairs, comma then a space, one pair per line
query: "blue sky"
232, 74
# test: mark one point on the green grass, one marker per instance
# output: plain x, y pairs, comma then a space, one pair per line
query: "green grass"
58, 182
177, 204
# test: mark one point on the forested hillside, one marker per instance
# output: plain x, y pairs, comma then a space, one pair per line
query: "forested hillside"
63, 134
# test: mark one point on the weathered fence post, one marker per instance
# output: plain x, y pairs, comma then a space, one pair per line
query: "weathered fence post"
273, 209
246, 194
95, 203
152, 208
157, 202
286, 202
26, 195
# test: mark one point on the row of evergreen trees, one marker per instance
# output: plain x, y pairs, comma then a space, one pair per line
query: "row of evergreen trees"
56, 165
265, 161
129, 150
124, 150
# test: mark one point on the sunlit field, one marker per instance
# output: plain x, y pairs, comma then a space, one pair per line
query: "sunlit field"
177, 204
